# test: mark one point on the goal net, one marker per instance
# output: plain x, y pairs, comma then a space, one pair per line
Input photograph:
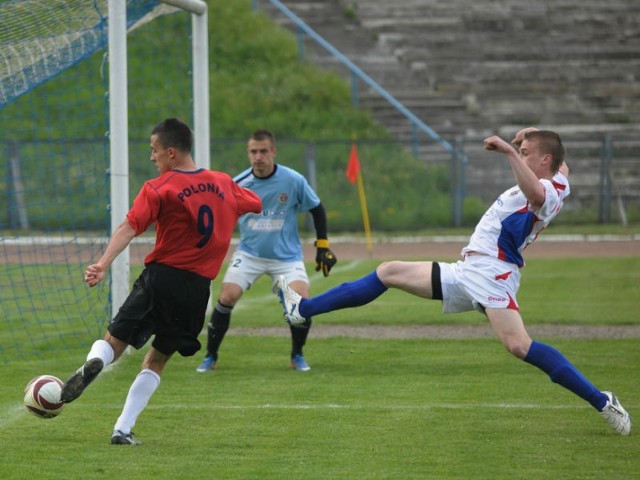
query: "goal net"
54, 141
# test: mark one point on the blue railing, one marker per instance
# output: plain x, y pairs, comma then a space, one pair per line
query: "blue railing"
357, 74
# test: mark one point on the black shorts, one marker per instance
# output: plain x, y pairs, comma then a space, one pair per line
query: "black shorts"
166, 302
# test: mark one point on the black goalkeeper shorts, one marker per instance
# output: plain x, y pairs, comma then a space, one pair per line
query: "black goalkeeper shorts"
166, 302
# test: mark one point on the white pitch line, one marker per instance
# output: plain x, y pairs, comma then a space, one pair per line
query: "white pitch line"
247, 301
336, 406
10, 412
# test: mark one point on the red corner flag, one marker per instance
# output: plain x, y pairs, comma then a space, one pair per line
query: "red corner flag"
355, 176
353, 167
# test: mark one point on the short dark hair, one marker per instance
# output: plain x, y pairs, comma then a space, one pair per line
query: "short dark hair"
549, 143
173, 132
263, 134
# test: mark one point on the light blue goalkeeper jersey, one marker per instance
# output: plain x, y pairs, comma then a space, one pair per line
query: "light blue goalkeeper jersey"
274, 233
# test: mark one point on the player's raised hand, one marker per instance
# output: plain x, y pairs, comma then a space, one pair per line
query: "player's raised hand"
517, 140
498, 144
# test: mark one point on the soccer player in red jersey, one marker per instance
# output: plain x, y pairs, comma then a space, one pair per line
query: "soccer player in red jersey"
195, 211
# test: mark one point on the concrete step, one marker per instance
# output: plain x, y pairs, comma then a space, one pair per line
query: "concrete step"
467, 66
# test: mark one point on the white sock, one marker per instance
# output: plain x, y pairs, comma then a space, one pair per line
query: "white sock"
102, 350
140, 392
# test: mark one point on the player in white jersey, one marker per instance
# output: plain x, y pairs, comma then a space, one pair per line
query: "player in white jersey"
489, 276
270, 244
509, 225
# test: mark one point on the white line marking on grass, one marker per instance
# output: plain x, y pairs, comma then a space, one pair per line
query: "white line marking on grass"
440, 406
9, 413
248, 300
336, 406
340, 268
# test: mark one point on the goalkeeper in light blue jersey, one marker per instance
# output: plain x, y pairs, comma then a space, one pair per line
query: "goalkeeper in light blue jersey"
270, 244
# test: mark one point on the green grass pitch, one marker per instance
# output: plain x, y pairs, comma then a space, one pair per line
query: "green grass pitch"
368, 409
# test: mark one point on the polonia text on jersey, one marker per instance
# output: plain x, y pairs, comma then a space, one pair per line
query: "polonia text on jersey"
200, 188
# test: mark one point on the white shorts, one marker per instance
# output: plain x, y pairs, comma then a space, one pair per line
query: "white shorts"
479, 282
245, 269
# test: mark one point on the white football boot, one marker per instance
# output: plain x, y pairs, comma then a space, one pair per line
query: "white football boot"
290, 301
616, 415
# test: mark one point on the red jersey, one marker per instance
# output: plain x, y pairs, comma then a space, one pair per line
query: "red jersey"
195, 215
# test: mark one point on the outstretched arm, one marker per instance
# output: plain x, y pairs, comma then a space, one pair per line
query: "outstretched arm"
525, 178
121, 238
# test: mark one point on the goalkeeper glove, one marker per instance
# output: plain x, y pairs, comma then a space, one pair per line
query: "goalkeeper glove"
325, 259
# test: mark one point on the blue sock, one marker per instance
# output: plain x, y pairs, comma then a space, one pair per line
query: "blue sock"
562, 372
346, 295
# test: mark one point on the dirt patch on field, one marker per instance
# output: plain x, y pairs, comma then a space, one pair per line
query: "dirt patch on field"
447, 248
448, 331
41, 251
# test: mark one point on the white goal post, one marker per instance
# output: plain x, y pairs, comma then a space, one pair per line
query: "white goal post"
118, 121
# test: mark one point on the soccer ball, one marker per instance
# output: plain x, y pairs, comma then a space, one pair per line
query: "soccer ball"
42, 396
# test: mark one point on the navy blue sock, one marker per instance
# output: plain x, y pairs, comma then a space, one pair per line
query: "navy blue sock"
562, 372
346, 295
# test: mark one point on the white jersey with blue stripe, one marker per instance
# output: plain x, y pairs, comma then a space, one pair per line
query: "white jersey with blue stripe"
273, 234
511, 224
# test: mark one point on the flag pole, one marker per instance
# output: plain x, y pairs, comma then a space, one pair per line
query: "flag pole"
354, 175
365, 215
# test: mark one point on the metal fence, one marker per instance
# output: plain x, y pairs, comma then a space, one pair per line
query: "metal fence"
604, 176
604, 173
404, 192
